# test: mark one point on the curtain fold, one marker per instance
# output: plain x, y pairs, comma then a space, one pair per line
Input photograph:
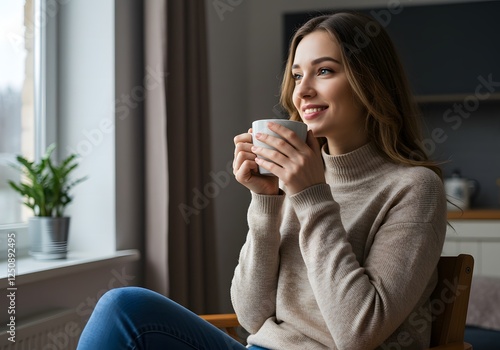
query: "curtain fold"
180, 246
156, 151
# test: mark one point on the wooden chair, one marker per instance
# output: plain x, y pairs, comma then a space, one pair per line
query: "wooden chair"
449, 301
448, 327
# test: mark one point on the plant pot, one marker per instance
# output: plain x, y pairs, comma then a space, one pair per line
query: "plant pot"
48, 237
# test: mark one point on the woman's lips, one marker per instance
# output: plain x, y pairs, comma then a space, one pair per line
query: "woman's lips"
312, 112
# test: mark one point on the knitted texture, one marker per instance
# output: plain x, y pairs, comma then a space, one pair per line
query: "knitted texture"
349, 264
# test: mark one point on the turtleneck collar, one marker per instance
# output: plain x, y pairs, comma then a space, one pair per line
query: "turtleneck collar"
359, 164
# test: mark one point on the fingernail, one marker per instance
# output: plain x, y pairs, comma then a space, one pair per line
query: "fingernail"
254, 148
258, 135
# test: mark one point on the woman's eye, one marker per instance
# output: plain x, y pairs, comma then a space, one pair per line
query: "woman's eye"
296, 76
324, 71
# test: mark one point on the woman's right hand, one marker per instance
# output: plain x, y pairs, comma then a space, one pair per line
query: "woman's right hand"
246, 170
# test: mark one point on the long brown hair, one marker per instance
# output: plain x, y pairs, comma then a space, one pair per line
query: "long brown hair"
378, 80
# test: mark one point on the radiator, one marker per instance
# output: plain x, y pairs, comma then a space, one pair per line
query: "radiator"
58, 330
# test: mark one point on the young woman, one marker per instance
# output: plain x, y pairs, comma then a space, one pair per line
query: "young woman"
344, 241
344, 255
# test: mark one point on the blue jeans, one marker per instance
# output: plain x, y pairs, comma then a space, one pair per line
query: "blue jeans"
137, 318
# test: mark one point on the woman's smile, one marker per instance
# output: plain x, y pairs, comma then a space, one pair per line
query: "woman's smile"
311, 112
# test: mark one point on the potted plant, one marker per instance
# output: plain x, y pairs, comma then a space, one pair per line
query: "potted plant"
45, 190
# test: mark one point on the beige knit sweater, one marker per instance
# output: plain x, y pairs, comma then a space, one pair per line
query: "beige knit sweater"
344, 265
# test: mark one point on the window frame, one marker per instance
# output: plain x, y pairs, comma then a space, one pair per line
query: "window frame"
45, 75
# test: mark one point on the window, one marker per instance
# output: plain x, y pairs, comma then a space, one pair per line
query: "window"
67, 64
16, 101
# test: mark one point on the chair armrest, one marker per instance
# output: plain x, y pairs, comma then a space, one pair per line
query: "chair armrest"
453, 346
226, 322
222, 320
229, 321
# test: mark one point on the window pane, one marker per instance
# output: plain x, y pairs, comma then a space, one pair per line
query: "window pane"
16, 101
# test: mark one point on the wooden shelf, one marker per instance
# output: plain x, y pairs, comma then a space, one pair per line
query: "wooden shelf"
476, 214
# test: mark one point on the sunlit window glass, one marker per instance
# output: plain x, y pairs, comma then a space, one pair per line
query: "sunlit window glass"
16, 100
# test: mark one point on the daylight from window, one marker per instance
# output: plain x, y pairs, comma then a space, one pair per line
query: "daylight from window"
16, 100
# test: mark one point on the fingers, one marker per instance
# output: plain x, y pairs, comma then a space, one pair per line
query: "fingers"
277, 157
296, 163
290, 136
242, 157
270, 166
242, 143
243, 152
283, 148
245, 137
246, 170
277, 145
242, 147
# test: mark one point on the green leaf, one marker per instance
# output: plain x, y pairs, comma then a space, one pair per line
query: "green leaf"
47, 185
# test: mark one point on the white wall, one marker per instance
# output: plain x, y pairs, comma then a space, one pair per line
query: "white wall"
245, 61
86, 94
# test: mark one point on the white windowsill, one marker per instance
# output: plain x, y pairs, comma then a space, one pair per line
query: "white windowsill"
30, 270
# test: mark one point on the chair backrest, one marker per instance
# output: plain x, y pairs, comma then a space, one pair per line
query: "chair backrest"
450, 299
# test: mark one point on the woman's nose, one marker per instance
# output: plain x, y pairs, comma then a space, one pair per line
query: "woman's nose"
305, 88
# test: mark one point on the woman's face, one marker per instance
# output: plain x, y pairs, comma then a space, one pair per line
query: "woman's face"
323, 96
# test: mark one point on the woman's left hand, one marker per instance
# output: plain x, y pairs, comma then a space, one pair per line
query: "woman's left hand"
297, 164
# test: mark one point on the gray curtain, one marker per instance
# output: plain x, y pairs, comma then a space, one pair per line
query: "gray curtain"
180, 238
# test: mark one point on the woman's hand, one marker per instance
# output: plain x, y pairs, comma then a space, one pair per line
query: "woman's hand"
297, 164
246, 170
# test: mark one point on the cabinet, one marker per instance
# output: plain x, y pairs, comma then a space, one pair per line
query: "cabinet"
481, 239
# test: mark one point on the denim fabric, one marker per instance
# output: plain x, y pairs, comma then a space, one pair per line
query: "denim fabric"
138, 319
481, 338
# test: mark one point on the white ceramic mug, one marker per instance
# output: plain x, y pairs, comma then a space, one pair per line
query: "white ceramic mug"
260, 126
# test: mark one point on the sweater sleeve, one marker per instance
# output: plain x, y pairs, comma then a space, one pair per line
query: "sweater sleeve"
363, 305
255, 280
